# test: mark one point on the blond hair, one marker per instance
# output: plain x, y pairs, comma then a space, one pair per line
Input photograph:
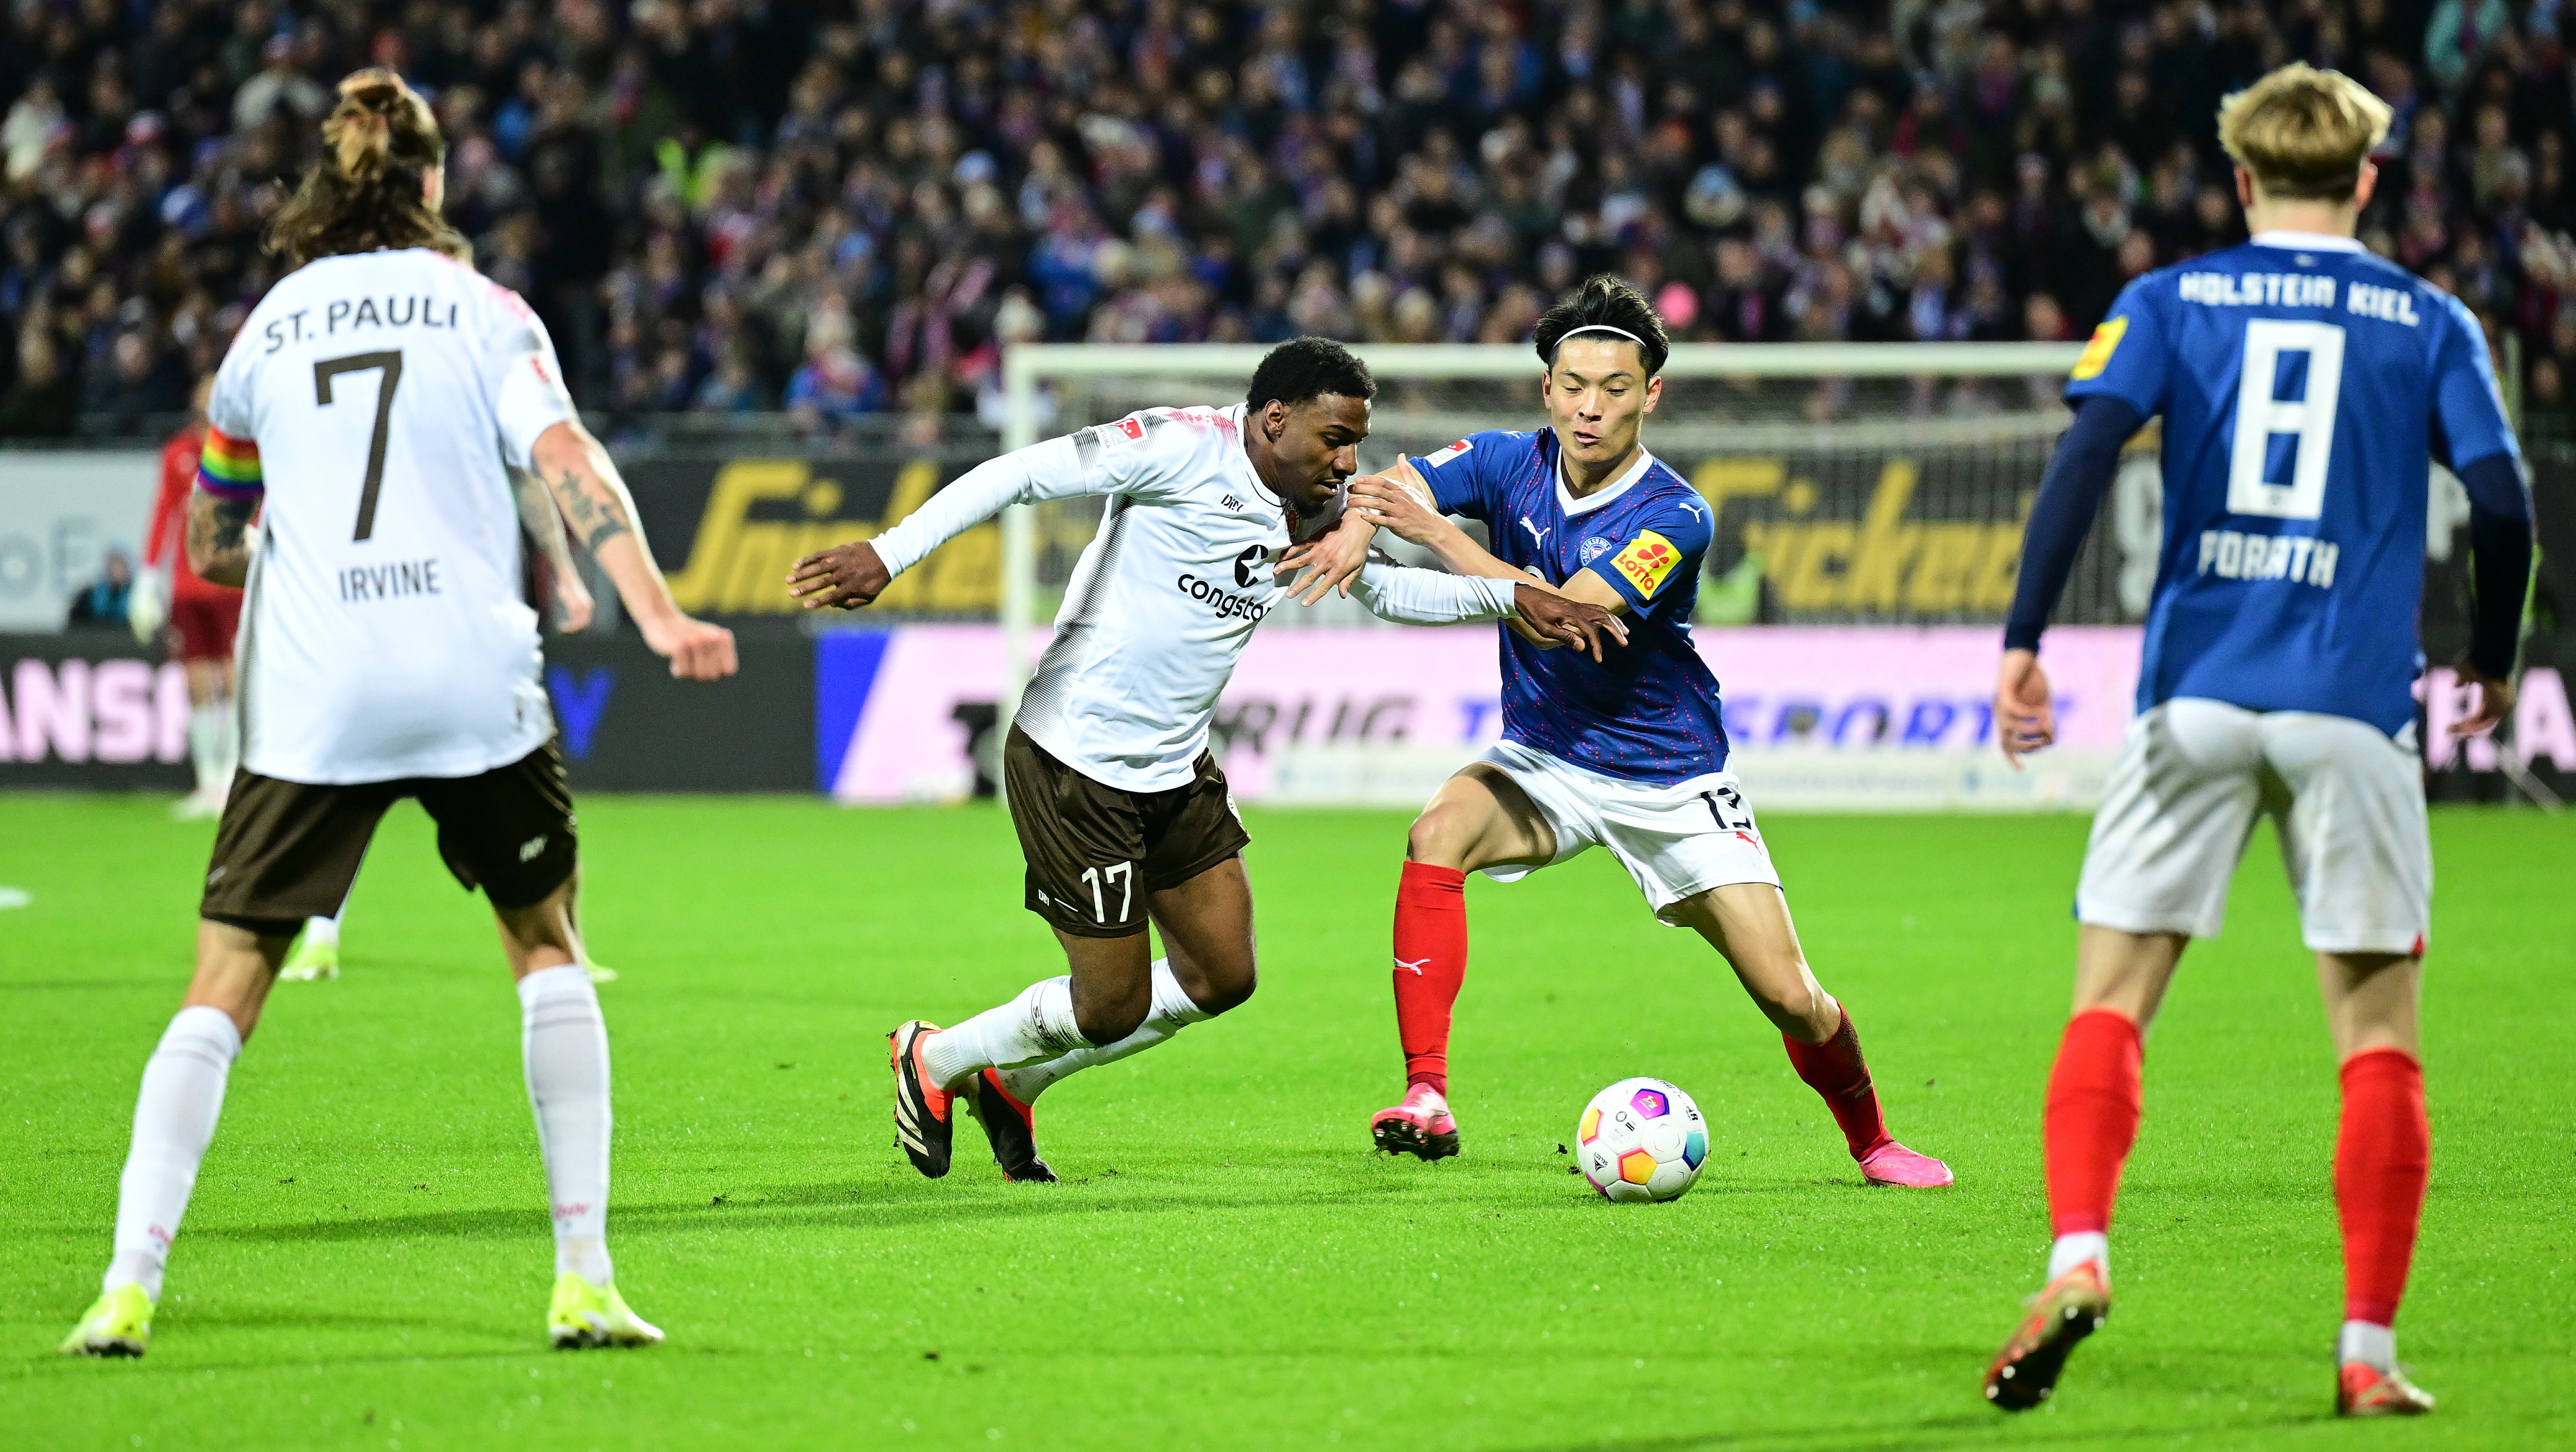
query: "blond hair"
2303, 133
368, 189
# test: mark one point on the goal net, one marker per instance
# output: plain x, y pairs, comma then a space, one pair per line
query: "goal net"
1853, 483
1864, 494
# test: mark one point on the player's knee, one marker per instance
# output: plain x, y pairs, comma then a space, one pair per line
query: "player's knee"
1107, 1023
1438, 838
1224, 996
1800, 1007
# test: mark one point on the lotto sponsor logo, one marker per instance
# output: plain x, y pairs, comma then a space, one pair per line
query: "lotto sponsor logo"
2097, 354
2257, 289
1646, 561
1215, 597
2296, 558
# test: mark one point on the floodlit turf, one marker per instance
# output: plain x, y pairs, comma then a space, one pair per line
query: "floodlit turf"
366, 1260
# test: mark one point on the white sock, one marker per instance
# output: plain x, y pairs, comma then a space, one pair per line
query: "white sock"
1036, 1025
565, 1043
174, 1120
2071, 1251
1173, 1011
227, 743
324, 930
2369, 1344
205, 744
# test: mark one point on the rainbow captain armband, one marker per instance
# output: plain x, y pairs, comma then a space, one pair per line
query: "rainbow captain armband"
228, 468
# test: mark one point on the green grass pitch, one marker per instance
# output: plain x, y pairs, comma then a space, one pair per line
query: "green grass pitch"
1227, 1266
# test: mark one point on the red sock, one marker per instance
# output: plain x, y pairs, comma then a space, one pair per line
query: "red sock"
2092, 1118
1836, 1071
2382, 1156
1430, 964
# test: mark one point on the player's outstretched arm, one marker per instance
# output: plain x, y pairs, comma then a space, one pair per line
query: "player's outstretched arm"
544, 523
851, 575
587, 488
219, 538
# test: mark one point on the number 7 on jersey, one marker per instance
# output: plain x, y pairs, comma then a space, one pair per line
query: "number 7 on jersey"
324, 370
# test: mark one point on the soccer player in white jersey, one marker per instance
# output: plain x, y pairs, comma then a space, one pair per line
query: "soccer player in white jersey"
2305, 386
370, 403
1122, 813
1627, 753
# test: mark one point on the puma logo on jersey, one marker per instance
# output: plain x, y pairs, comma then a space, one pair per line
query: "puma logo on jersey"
1694, 510
529, 849
1537, 534
1414, 967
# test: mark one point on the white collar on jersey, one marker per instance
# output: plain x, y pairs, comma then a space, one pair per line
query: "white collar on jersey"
2308, 242
1566, 501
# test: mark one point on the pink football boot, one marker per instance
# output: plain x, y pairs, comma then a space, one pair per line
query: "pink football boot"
1893, 1164
1420, 1126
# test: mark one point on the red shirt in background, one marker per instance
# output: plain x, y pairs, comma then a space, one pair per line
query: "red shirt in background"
206, 616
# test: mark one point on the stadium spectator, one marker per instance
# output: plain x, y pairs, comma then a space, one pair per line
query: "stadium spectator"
102, 601
687, 192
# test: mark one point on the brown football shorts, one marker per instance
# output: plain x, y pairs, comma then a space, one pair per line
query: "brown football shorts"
286, 850
1096, 853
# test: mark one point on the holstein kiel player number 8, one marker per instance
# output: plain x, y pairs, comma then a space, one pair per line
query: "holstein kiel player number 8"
1641, 1139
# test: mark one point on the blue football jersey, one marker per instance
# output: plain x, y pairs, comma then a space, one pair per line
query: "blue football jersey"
2306, 386
1649, 711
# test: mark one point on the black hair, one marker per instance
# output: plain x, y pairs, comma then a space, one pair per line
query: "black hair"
1304, 369
1605, 301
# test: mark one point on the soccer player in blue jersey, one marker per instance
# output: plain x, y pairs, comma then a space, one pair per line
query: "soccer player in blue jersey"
2305, 386
1621, 748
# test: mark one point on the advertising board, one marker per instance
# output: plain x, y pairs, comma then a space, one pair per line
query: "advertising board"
60, 516
1822, 717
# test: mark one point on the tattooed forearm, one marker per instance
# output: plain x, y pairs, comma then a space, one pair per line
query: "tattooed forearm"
544, 523
219, 538
595, 519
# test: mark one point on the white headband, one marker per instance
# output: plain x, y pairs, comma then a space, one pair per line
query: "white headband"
1596, 328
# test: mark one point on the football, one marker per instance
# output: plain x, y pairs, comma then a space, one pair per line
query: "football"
1641, 1139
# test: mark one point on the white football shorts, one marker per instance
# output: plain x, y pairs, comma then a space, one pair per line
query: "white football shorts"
1676, 841
2347, 800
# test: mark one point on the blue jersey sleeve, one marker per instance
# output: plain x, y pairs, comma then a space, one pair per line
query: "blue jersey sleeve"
2129, 356
1467, 476
1667, 544
2468, 412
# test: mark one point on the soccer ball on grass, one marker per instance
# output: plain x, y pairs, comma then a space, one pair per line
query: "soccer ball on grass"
1641, 1139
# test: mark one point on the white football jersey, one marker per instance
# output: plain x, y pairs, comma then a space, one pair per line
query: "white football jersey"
1164, 598
385, 634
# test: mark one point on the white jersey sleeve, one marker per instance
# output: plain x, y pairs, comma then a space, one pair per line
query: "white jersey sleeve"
528, 395
229, 407
1408, 595
1136, 456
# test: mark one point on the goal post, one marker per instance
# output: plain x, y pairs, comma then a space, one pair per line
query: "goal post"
1732, 401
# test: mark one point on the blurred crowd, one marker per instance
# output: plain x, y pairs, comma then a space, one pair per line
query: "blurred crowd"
835, 207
